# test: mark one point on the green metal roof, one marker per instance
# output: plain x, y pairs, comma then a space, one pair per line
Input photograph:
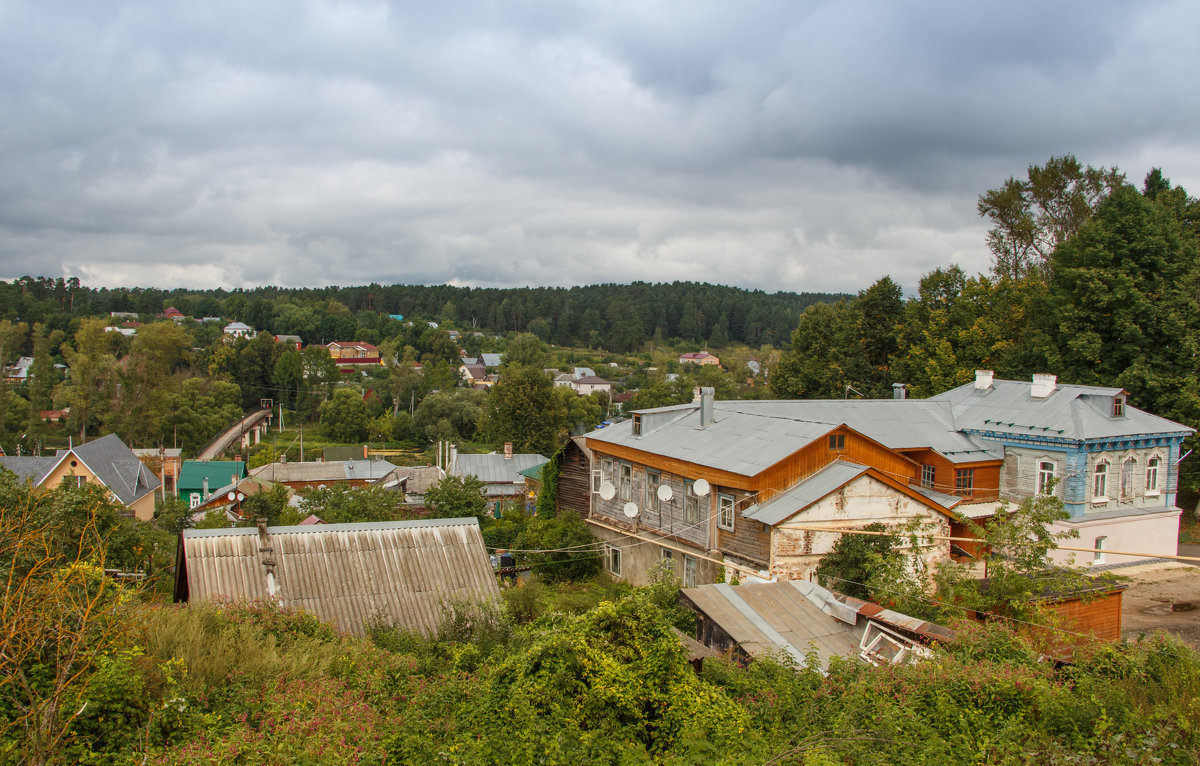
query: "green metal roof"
218, 472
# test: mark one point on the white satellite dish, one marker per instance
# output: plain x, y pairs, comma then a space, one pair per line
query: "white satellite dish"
665, 493
240, 497
231, 495
608, 491
701, 487
631, 510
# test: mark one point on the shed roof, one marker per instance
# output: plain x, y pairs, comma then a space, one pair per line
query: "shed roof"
345, 574
495, 468
328, 470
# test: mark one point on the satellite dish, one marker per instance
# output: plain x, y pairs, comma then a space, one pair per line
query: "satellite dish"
664, 492
608, 491
701, 487
231, 495
631, 510
241, 497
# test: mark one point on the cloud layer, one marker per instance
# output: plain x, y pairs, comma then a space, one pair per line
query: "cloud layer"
775, 145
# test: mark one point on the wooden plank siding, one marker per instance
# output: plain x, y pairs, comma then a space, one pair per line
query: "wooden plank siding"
575, 480
750, 540
815, 456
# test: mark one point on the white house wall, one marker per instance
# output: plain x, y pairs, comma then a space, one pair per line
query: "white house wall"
866, 500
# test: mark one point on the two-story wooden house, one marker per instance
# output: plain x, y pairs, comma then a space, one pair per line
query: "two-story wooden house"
742, 484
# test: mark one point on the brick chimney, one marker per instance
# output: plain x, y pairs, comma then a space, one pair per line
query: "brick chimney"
508, 450
1043, 385
983, 379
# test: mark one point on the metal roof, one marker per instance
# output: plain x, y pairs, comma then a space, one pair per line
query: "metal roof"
829, 479
1077, 413
218, 472
32, 469
494, 468
331, 470
781, 618
344, 574
118, 468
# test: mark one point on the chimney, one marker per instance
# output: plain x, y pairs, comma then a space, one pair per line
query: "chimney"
1043, 385
261, 522
707, 395
899, 390
983, 379
204, 491
508, 450
696, 394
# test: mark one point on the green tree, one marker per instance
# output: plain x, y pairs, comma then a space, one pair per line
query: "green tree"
560, 548
288, 376
854, 558
526, 349
457, 497
522, 409
450, 415
344, 418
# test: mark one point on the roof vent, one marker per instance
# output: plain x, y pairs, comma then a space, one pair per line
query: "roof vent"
1043, 385
707, 395
983, 379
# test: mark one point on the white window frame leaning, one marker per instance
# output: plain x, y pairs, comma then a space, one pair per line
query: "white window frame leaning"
1100, 482
725, 511
1045, 476
612, 559
1152, 469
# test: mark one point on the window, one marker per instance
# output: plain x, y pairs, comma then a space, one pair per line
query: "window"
74, 481
837, 441
606, 466
653, 480
194, 500
689, 572
625, 482
1127, 477
691, 504
1045, 477
612, 559
1100, 545
637, 424
725, 512
666, 554
1118, 410
1152, 476
597, 480
1100, 482
964, 482
928, 473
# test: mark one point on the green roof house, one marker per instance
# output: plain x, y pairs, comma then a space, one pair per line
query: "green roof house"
199, 479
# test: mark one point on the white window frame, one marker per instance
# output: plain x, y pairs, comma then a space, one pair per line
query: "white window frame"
725, 511
1128, 474
928, 476
1153, 464
606, 467
612, 559
1100, 482
652, 500
1047, 471
625, 481
691, 503
667, 554
689, 571
597, 480
1099, 544
193, 500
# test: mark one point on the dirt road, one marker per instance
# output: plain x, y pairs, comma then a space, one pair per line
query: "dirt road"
1167, 598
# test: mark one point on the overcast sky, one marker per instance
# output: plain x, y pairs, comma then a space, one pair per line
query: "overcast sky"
775, 145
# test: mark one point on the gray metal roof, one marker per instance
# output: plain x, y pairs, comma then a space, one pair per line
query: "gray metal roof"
781, 618
494, 468
492, 360
32, 469
1071, 412
115, 464
331, 470
832, 477
747, 437
345, 574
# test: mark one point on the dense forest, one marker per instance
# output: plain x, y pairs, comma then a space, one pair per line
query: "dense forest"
615, 317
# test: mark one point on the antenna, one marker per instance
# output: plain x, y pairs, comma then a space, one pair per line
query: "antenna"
665, 493
701, 487
631, 510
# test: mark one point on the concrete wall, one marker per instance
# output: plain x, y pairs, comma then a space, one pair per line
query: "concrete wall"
1155, 533
795, 552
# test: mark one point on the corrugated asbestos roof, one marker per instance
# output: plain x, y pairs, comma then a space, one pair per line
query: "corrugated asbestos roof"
345, 574
1070, 412
494, 468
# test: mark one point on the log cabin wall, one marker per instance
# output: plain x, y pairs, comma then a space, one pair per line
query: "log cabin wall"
575, 480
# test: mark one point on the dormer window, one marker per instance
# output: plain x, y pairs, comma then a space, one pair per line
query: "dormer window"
637, 424
1118, 406
837, 441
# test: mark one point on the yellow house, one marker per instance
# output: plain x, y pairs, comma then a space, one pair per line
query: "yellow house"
105, 461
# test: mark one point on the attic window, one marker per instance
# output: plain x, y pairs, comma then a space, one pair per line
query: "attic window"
837, 441
637, 424
1118, 408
